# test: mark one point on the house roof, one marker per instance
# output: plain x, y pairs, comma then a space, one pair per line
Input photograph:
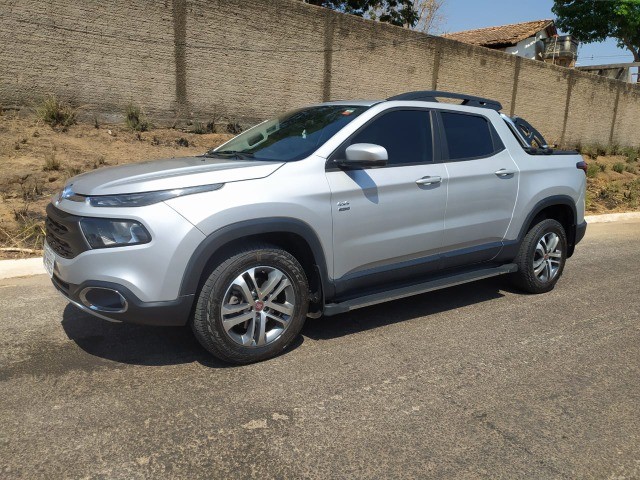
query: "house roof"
503, 35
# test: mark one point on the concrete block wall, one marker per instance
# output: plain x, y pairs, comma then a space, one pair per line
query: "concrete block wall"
247, 60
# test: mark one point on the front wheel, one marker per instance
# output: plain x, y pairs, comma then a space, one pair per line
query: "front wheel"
541, 257
252, 305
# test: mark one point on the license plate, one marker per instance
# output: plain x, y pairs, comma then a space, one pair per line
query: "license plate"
48, 258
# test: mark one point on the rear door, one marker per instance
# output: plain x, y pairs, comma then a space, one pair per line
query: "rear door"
388, 222
483, 186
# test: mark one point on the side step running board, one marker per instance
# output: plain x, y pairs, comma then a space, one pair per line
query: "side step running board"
458, 279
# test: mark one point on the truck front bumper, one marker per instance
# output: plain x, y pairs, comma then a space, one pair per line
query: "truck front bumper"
114, 302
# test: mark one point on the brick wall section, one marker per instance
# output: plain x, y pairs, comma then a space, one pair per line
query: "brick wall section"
99, 55
247, 60
627, 126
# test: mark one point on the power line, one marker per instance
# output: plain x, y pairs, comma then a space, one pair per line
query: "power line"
605, 56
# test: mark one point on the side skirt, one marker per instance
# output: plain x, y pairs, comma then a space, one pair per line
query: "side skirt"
436, 284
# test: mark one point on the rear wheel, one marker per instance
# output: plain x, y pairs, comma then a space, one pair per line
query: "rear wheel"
541, 258
252, 305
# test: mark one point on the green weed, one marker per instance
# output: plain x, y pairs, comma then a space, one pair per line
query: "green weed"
618, 167
56, 113
592, 170
135, 119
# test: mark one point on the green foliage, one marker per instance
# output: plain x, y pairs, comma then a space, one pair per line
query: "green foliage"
591, 151
396, 12
603, 167
596, 20
56, 113
612, 149
618, 167
592, 170
135, 119
631, 153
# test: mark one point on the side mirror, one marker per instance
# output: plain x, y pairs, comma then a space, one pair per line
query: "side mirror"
361, 155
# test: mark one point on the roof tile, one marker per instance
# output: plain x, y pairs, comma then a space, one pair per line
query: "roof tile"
502, 35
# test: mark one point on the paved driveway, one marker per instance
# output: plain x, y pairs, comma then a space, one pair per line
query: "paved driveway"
473, 381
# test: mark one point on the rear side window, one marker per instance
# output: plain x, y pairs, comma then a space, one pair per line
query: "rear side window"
468, 136
406, 134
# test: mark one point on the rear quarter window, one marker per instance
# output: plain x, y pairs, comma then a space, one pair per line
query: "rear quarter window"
469, 136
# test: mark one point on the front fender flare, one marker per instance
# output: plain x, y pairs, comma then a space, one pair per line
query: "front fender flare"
236, 231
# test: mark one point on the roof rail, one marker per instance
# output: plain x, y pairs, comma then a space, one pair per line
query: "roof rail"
430, 96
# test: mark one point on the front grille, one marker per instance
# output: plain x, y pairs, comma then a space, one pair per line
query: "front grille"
58, 245
63, 233
56, 226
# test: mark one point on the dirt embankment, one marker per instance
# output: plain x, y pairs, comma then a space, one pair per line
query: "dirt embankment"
613, 183
36, 160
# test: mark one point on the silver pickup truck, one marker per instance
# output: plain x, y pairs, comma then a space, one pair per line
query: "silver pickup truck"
319, 211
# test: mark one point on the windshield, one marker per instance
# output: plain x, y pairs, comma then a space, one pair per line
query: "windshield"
292, 136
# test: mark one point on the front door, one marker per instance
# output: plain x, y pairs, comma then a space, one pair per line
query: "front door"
388, 222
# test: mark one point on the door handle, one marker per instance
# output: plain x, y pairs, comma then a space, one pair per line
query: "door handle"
428, 180
503, 172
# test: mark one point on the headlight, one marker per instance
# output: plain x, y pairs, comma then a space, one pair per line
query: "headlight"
105, 233
143, 199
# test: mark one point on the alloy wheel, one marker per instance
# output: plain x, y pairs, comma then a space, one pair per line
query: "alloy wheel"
257, 307
547, 257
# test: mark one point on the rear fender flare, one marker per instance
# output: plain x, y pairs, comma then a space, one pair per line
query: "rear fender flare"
550, 202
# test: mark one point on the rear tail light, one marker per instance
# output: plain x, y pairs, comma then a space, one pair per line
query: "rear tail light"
582, 166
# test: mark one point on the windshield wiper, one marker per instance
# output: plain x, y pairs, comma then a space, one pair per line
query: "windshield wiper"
230, 153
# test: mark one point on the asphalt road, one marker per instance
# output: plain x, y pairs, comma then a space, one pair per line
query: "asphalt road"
470, 382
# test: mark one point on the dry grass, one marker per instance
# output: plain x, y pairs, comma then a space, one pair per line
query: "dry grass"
36, 160
613, 183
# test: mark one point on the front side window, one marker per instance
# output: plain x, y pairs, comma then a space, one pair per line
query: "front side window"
467, 136
292, 136
405, 134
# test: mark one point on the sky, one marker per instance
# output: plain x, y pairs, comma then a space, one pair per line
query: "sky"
469, 14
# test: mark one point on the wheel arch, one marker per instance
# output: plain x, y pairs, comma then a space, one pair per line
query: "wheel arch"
290, 234
558, 207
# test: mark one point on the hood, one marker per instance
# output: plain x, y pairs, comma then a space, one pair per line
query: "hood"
168, 174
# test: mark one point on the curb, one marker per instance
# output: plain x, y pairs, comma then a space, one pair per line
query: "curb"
21, 268
612, 217
33, 266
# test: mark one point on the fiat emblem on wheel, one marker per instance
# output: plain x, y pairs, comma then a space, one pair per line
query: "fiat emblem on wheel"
259, 305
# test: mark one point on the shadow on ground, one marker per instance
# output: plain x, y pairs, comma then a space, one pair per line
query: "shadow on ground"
138, 344
157, 346
326, 328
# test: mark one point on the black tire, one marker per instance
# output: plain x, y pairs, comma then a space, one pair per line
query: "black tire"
207, 321
526, 277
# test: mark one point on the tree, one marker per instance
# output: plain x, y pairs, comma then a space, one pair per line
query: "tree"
595, 20
396, 12
429, 15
